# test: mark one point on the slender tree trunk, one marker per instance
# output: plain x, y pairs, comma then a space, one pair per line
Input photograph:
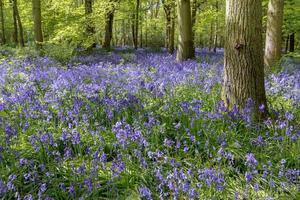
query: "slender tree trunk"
170, 27
194, 15
15, 33
244, 66
167, 9
185, 39
274, 32
90, 29
172, 32
3, 39
292, 42
37, 19
22, 43
109, 20
211, 37
146, 28
216, 28
141, 34
136, 25
287, 43
123, 33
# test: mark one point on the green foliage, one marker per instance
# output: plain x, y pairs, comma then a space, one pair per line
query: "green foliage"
62, 52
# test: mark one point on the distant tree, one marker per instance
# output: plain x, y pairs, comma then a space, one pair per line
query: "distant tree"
21, 32
109, 20
185, 36
274, 32
244, 66
15, 33
17, 23
3, 39
292, 42
216, 27
37, 21
88, 5
135, 24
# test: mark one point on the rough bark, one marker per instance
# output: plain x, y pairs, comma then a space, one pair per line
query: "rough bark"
37, 20
292, 42
274, 32
109, 20
3, 39
185, 37
244, 66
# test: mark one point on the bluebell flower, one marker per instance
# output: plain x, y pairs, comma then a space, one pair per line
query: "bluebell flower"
248, 177
145, 193
251, 161
28, 197
75, 137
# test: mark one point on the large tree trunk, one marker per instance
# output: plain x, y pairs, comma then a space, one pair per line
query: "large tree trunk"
109, 20
37, 20
185, 37
274, 32
292, 42
244, 67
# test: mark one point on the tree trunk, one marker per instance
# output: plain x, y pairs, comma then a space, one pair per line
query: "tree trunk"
15, 33
170, 27
90, 29
274, 32
109, 20
287, 43
146, 28
37, 19
211, 37
3, 39
172, 34
22, 44
141, 35
185, 37
135, 31
292, 42
243, 59
216, 28
167, 9
17, 22
194, 15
